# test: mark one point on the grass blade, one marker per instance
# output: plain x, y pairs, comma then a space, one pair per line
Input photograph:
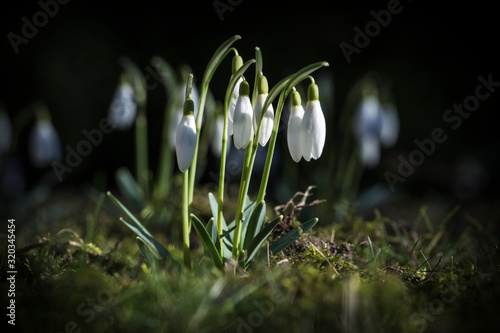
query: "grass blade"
254, 224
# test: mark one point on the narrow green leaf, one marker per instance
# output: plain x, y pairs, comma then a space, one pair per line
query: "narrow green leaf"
148, 239
212, 230
291, 236
151, 255
128, 214
253, 226
207, 241
259, 239
258, 70
129, 188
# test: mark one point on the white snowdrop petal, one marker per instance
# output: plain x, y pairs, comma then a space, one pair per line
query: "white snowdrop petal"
293, 132
175, 119
44, 144
319, 130
266, 126
243, 122
234, 99
369, 150
185, 142
368, 117
216, 143
390, 126
123, 107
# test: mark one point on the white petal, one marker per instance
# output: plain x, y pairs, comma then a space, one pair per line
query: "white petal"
390, 126
44, 144
243, 122
267, 120
368, 117
216, 143
175, 119
185, 142
293, 132
369, 150
123, 108
312, 131
234, 99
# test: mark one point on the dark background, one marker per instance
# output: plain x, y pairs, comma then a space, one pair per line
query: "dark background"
433, 53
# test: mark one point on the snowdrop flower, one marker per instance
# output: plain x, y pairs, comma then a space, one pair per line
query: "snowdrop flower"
216, 143
267, 123
313, 127
5, 132
237, 63
176, 115
185, 137
390, 126
243, 118
123, 107
44, 144
293, 136
367, 129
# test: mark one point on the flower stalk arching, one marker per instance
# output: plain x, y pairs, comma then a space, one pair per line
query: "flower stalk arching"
212, 66
232, 83
141, 124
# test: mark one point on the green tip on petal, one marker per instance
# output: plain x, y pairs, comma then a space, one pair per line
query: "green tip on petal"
237, 63
296, 101
313, 92
244, 88
263, 85
188, 107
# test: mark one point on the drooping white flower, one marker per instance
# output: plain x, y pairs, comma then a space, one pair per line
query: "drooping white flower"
216, 143
243, 118
367, 129
185, 137
176, 114
123, 107
266, 126
44, 144
5, 133
294, 123
313, 127
390, 126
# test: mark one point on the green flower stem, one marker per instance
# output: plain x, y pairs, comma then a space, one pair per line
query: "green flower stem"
222, 173
212, 66
186, 221
165, 166
245, 180
141, 148
141, 130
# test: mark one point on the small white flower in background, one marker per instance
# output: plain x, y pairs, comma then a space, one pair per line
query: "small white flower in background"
243, 118
313, 127
216, 143
237, 63
185, 137
176, 115
123, 107
390, 126
293, 131
267, 123
367, 129
5, 132
44, 144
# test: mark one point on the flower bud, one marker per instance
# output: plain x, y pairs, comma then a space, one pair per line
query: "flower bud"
185, 137
243, 118
44, 144
123, 107
294, 123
